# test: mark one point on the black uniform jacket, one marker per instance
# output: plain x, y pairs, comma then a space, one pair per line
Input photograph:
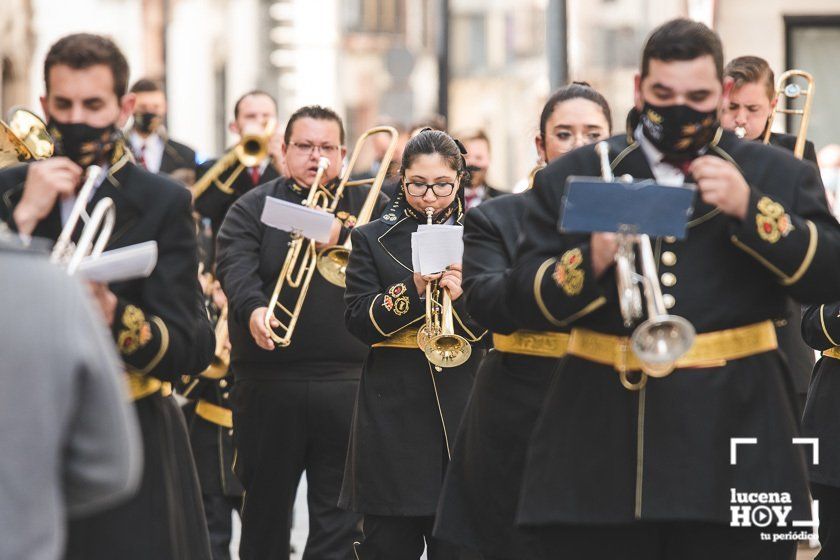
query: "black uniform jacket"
481, 490
788, 142
160, 325
176, 156
161, 330
250, 256
406, 414
799, 356
821, 330
214, 203
603, 454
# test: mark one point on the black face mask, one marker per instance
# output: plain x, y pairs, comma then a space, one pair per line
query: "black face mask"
678, 130
146, 123
82, 143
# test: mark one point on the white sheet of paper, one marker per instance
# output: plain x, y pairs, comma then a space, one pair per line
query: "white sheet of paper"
119, 265
287, 216
433, 248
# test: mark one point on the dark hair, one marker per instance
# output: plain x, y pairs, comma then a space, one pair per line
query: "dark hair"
249, 94
682, 39
146, 85
314, 112
83, 50
751, 70
429, 141
575, 90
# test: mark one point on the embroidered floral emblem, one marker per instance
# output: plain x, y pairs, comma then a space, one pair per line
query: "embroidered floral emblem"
390, 217
772, 221
397, 299
567, 273
136, 332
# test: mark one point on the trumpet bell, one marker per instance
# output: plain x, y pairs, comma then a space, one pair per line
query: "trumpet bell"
252, 150
660, 341
332, 264
447, 350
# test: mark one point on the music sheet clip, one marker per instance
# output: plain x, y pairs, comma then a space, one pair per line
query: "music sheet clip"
120, 265
307, 222
591, 204
435, 247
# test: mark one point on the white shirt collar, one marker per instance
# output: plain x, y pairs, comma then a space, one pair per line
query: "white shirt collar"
664, 173
152, 147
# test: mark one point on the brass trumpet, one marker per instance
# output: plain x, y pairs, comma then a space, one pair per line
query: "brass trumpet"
23, 138
792, 90
97, 229
661, 339
251, 149
332, 261
437, 338
298, 267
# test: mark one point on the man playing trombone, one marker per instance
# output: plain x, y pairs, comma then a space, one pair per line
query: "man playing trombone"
157, 322
221, 181
292, 400
624, 453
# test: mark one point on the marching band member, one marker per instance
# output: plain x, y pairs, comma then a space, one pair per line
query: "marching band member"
254, 111
751, 103
406, 414
292, 406
477, 144
153, 149
647, 470
157, 322
478, 503
821, 330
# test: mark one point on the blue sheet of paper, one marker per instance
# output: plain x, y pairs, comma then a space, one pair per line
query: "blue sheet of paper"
591, 204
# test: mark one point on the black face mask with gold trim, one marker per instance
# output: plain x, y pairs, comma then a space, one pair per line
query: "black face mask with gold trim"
678, 131
84, 144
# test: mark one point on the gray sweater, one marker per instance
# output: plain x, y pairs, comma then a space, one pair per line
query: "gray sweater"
69, 440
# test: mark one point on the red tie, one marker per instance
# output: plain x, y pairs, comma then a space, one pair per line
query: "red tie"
141, 157
255, 175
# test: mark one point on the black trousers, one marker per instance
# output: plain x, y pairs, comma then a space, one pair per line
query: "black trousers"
404, 538
829, 511
282, 428
659, 541
218, 509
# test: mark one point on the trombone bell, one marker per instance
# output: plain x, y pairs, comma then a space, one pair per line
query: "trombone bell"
23, 138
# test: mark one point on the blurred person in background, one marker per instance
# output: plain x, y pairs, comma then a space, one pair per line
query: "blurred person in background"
478, 157
829, 161
151, 145
254, 113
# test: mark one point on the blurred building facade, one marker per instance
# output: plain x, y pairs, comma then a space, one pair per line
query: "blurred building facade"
376, 60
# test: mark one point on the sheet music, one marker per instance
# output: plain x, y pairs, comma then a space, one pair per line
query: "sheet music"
435, 247
287, 216
119, 265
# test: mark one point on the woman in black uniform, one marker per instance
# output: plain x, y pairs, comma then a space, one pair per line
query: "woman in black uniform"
478, 503
406, 412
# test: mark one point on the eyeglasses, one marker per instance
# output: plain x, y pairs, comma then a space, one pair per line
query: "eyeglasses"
420, 189
309, 149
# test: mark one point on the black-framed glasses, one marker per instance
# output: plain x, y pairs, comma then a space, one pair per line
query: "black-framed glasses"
418, 189
309, 149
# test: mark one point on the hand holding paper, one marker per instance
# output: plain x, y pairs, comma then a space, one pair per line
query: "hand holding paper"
435, 247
